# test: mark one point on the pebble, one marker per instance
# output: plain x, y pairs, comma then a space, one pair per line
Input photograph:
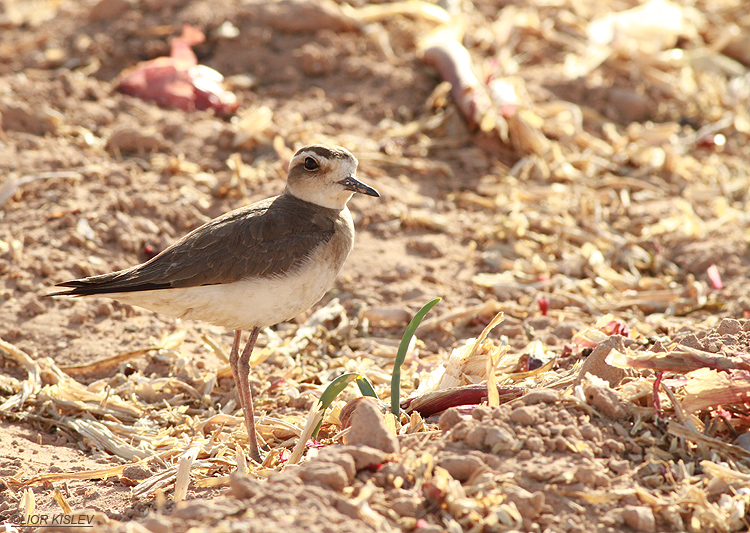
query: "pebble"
431, 528
364, 457
606, 401
691, 341
591, 432
199, 509
108, 9
481, 412
597, 365
242, 487
157, 524
386, 317
618, 466
591, 476
425, 248
368, 427
406, 505
639, 518
743, 441
535, 444
529, 504
317, 60
498, 440
460, 467
628, 105
729, 326
136, 472
129, 140
32, 309
566, 330
449, 418
475, 437
325, 474
333, 454
542, 322
299, 16
536, 396
525, 416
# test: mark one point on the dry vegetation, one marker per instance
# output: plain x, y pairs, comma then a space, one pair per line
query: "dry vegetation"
580, 166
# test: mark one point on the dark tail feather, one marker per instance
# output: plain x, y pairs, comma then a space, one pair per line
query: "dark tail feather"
91, 287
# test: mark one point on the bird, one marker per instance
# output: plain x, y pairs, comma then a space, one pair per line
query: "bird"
253, 267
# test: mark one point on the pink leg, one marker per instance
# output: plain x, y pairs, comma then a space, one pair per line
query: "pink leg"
241, 371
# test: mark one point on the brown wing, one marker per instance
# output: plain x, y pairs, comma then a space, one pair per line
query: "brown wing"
265, 239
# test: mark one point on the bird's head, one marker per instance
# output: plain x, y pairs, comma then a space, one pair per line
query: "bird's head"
326, 176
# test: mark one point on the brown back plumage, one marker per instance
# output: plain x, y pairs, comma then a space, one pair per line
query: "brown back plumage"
282, 232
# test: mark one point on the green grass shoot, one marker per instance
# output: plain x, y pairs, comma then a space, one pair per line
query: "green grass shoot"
401, 356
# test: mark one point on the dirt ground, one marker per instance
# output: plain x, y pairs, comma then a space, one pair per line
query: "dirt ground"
605, 210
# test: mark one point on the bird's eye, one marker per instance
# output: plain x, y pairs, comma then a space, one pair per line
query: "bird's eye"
311, 164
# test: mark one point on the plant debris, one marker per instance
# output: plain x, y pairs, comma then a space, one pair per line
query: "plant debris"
573, 166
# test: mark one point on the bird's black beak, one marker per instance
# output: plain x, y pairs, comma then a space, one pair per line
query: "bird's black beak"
353, 184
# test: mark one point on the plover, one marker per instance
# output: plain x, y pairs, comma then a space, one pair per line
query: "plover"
253, 267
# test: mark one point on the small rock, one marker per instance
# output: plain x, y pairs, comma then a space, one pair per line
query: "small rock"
639, 518
534, 444
333, 454
347, 508
406, 505
738, 46
606, 401
729, 326
460, 467
591, 477
243, 487
627, 105
691, 341
32, 309
365, 457
136, 472
538, 323
566, 330
200, 509
591, 432
597, 365
498, 440
449, 418
368, 427
158, 524
425, 248
430, 528
299, 16
387, 317
324, 474
615, 447
475, 437
743, 441
536, 396
108, 9
525, 416
129, 140
618, 466
529, 504
17, 115
317, 60
481, 412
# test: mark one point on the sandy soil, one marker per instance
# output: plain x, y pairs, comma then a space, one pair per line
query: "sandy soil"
608, 207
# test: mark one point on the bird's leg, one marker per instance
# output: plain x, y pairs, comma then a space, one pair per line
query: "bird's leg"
243, 385
234, 356
242, 376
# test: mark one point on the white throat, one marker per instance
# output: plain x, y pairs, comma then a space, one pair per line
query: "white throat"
322, 197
